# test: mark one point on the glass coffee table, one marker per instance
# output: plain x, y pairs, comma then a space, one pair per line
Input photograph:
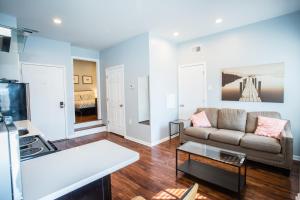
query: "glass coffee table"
234, 181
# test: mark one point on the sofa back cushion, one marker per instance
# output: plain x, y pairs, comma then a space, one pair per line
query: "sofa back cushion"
232, 119
252, 119
200, 120
212, 115
270, 127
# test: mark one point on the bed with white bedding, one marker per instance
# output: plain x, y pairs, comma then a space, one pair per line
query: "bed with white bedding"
85, 104
84, 101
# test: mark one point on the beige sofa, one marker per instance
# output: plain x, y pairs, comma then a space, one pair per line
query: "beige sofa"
234, 129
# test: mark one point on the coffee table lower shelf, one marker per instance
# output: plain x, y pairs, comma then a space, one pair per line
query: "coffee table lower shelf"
220, 177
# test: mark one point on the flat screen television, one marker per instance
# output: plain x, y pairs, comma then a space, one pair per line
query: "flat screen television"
14, 100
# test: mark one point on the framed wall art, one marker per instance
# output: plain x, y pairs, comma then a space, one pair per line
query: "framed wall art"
76, 79
259, 83
87, 79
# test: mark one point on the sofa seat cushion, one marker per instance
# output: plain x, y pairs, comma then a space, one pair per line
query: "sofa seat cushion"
261, 143
227, 136
199, 132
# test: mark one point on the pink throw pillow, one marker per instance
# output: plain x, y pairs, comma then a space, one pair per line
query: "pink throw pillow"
270, 127
200, 120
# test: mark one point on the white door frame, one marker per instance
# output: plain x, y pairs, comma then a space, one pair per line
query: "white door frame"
98, 75
109, 69
64, 86
205, 80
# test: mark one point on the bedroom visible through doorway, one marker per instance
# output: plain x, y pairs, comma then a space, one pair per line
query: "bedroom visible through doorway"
85, 91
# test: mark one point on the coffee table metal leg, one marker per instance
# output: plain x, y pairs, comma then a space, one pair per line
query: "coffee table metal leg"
176, 161
170, 131
239, 184
245, 182
181, 126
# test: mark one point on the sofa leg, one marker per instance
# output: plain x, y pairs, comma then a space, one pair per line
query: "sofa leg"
287, 172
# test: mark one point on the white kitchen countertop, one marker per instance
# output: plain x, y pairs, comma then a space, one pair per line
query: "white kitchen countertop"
26, 124
54, 175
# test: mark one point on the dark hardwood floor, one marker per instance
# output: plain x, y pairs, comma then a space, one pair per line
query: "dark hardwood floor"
85, 118
153, 176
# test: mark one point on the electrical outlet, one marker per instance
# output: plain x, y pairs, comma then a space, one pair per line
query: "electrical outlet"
130, 121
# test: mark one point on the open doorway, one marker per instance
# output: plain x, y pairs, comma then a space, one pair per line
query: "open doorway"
86, 90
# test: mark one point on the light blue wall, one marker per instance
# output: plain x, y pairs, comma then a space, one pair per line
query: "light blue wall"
8, 20
134, 54
84, 53
163, 82
271, 41
9, 62
52, 52
46, 51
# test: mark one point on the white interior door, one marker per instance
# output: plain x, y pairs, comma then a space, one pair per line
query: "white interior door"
192, 89
47, 99
115, 99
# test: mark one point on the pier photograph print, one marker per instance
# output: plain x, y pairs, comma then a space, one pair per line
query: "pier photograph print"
259, 83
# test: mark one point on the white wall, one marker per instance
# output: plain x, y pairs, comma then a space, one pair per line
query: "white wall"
272, 41
144, 55
134, 54
163, 82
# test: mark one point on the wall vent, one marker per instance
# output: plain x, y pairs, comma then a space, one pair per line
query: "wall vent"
196, 49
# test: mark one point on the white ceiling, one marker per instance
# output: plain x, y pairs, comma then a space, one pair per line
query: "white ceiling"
99, 24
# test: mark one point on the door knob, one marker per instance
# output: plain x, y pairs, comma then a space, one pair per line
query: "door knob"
181, 105
121, 105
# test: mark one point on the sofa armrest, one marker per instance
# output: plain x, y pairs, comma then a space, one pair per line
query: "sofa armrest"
286, 142
187, 124
287, 132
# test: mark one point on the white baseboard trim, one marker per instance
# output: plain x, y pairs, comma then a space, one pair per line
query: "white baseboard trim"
138, 141
164, 140
87, 124
296, 157
88, 132
159, 141
147, 143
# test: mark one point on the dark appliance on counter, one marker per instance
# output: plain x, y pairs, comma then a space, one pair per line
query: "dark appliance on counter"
14, 106
14, 100
34, 146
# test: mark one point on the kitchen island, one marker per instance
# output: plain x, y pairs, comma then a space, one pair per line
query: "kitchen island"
57, 175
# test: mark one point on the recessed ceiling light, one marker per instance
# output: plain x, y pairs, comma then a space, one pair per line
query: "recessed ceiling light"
219, 20
57, 21
175, 34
